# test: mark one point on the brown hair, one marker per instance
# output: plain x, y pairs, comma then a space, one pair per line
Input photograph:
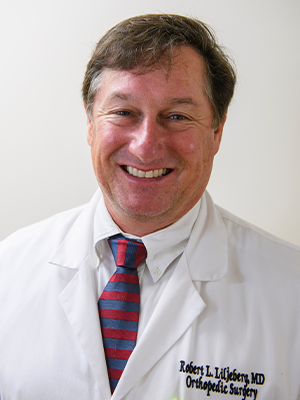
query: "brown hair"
147, 40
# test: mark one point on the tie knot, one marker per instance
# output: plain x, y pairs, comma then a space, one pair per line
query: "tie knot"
127, 253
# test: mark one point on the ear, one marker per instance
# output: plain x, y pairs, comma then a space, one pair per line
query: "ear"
218, 134
90, 127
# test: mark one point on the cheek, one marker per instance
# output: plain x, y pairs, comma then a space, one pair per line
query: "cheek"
192, 148
199, 152
108, 140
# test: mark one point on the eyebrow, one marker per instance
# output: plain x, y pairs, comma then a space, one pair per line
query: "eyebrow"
121, 96
184, 100
176, 100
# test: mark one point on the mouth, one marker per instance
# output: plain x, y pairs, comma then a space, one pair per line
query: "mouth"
155, 173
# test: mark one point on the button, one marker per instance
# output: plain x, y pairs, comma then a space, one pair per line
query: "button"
156, 272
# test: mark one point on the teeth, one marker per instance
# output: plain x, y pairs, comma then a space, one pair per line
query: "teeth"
156, 173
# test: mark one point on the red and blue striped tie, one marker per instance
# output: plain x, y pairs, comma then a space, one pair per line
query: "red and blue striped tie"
119, 306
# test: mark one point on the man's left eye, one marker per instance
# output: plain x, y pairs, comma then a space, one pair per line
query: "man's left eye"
177, 117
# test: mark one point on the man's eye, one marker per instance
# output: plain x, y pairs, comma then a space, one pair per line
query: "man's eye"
177, 117
126, 113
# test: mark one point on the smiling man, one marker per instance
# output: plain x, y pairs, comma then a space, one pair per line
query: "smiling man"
153, 141
151, 291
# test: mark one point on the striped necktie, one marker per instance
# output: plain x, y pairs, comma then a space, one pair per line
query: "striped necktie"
119, 306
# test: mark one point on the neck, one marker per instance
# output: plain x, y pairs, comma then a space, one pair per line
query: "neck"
141, 225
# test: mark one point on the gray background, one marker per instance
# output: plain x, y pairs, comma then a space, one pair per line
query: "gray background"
44, 159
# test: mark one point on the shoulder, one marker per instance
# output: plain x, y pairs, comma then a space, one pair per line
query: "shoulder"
234, 223
46, 233
39, 241
246, 240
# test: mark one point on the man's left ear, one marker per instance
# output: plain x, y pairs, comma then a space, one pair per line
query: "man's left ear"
218, 134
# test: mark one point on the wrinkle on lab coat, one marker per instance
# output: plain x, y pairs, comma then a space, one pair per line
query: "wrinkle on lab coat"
226, 326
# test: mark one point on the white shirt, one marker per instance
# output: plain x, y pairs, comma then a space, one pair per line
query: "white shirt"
164, 249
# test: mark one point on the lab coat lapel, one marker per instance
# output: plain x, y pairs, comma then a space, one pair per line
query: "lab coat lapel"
79, 301
79, 298
171, 318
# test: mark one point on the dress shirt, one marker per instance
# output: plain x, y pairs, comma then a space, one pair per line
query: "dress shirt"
164, 249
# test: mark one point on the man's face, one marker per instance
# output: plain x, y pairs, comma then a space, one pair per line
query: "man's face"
152, 142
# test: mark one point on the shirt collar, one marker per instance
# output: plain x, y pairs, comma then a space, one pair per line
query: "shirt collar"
163, 246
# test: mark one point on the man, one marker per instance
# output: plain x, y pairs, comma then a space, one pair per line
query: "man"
219, 299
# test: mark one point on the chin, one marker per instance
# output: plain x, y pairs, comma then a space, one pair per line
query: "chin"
143, 212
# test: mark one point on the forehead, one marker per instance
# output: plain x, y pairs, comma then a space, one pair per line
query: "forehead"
184, 75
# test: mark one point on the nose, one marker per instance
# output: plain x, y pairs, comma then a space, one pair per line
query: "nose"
147, 141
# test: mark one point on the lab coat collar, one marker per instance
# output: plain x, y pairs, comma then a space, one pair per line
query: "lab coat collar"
206, 250
205, 258
76, 245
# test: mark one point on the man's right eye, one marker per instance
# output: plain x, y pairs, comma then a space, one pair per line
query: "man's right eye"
122, 112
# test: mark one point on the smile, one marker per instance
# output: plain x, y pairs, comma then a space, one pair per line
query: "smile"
156, 173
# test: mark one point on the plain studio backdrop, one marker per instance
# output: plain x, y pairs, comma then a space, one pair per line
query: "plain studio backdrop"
44, 158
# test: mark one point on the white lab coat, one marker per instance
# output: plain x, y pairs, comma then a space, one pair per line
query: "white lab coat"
226, 327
